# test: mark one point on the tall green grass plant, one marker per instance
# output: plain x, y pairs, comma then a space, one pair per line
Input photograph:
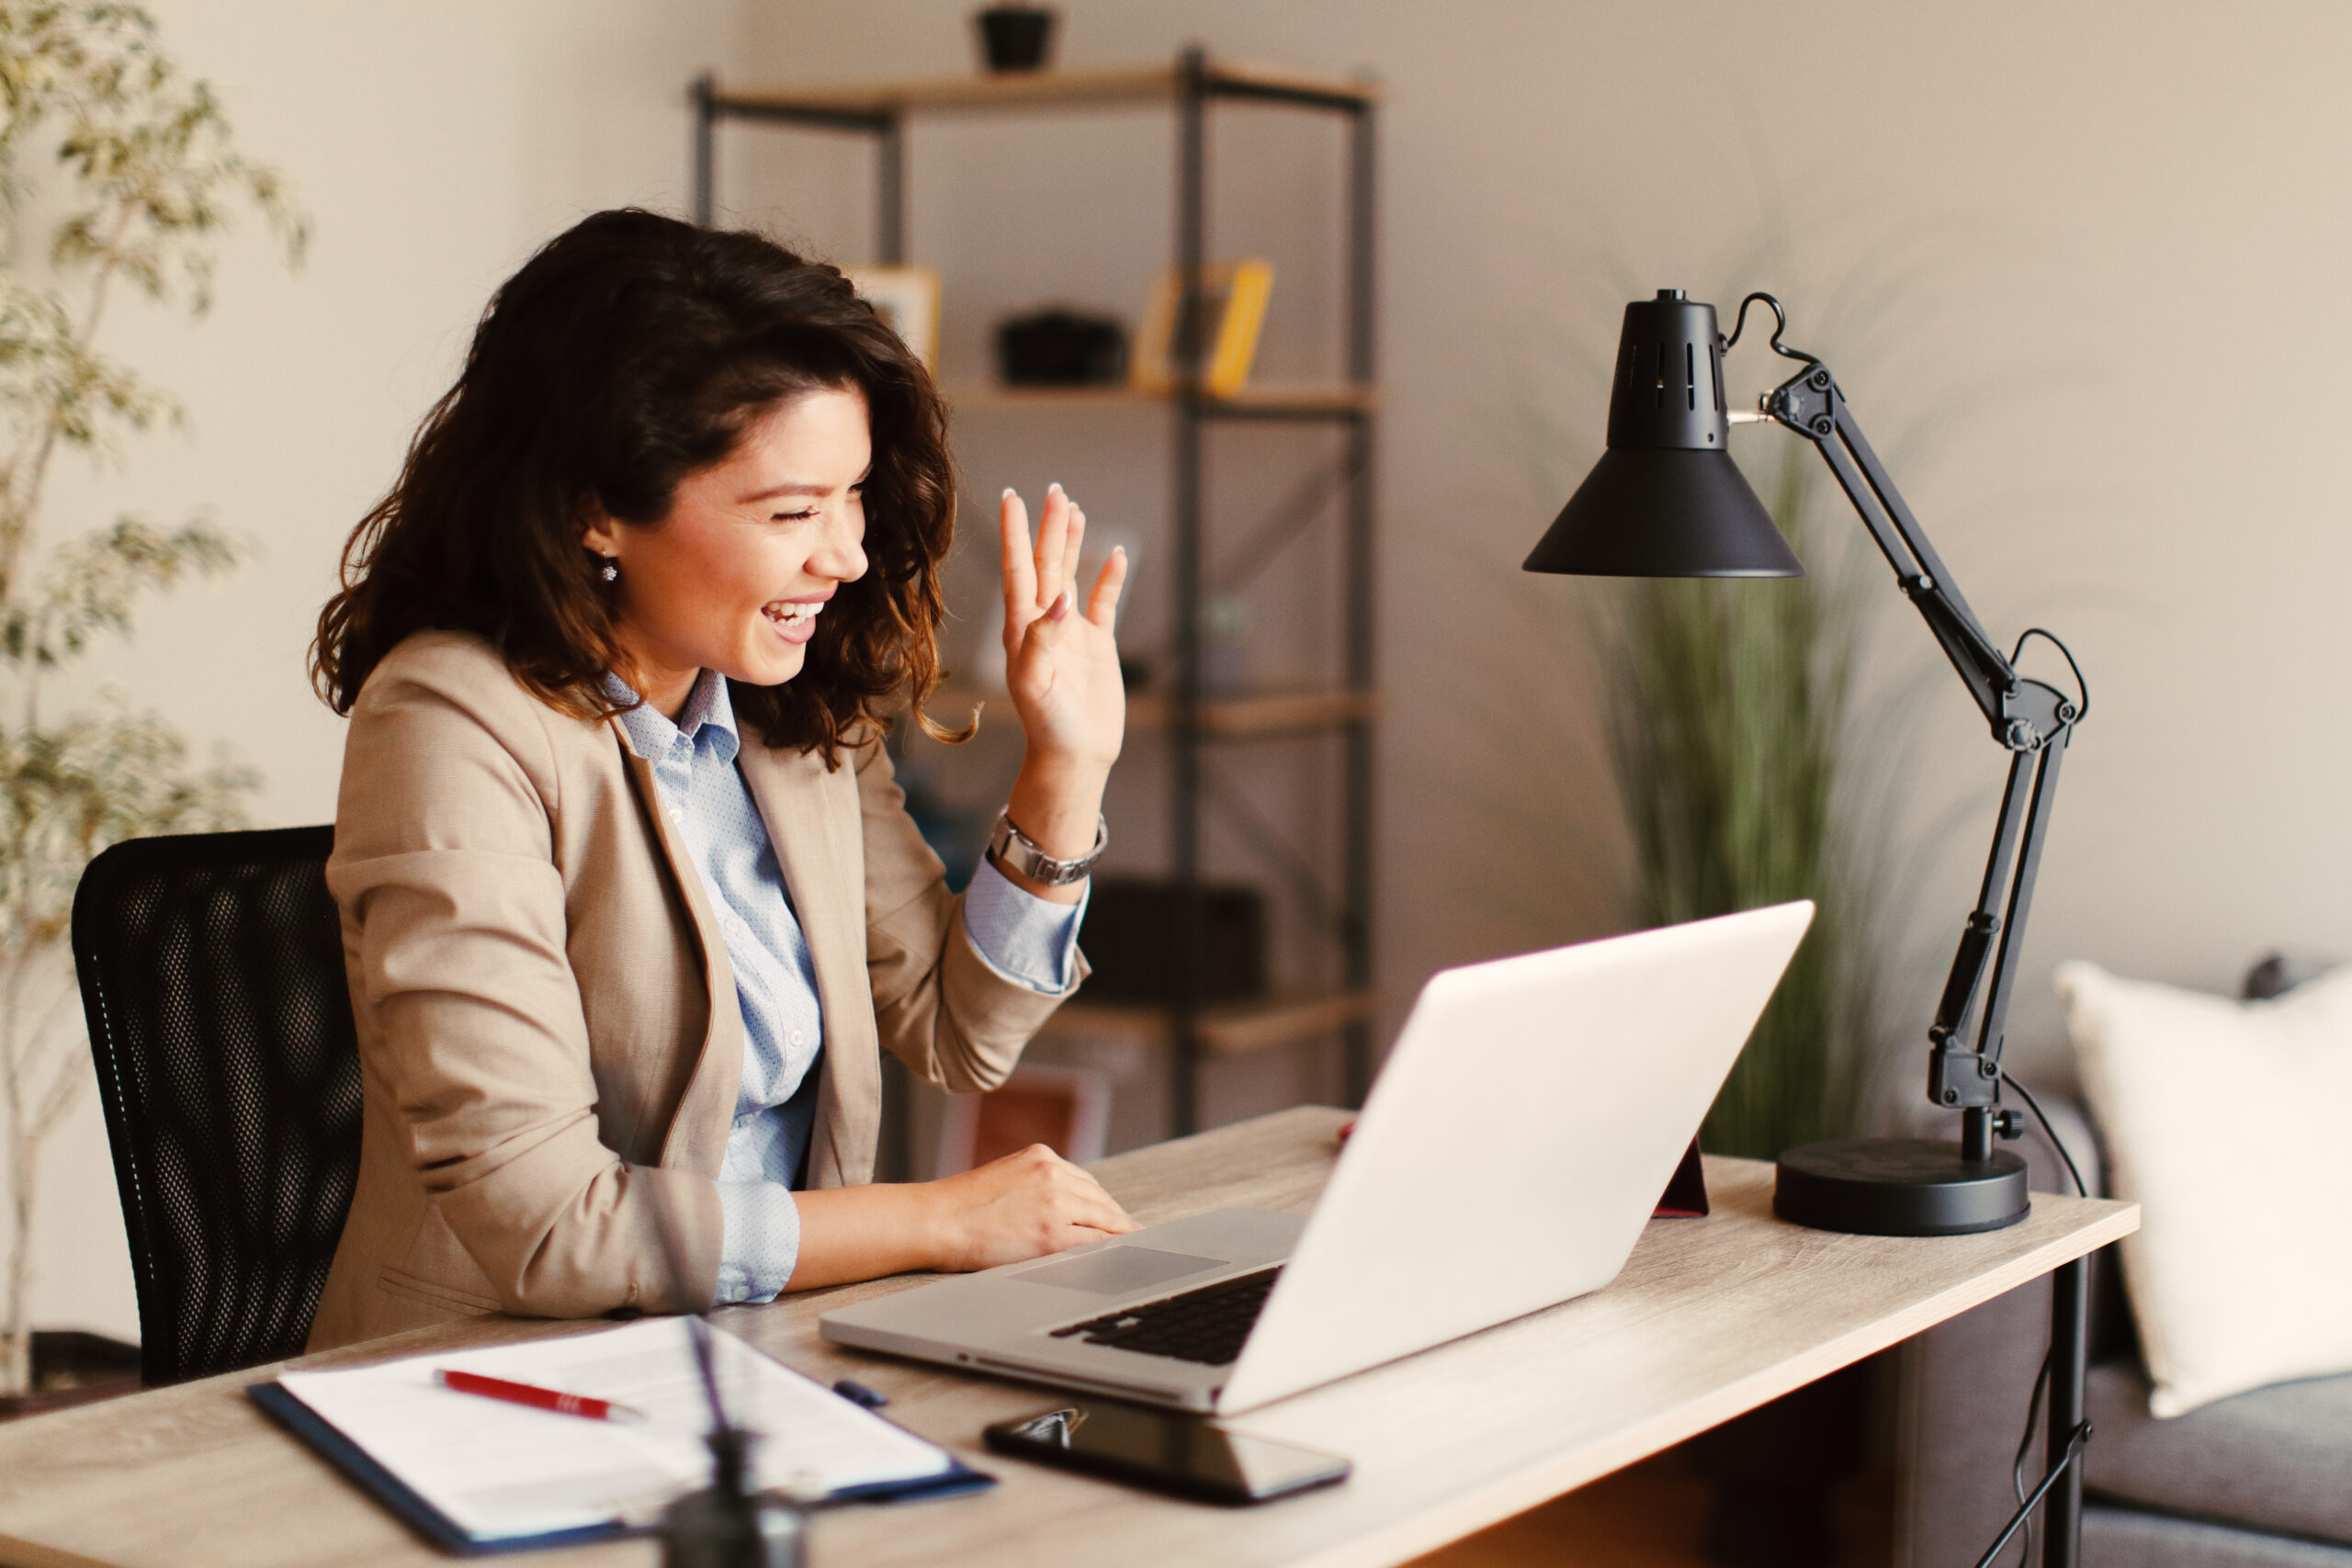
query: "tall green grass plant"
1735, 748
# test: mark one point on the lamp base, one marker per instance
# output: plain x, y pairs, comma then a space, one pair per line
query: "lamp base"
1899, 1187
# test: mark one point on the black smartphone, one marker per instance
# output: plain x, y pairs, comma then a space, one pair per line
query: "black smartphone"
1186, 1454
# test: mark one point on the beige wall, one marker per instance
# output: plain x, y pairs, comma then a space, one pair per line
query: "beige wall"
2082, 269
2107, 248
435, 143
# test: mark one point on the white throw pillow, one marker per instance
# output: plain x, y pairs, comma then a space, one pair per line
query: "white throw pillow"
2228, 1124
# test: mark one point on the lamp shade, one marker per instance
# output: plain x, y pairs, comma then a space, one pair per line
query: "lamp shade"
1666, 499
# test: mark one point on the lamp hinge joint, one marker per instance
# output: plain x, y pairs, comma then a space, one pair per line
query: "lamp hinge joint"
1959, 1077
1807, 404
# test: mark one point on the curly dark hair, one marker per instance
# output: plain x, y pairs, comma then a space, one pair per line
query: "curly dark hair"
631, 351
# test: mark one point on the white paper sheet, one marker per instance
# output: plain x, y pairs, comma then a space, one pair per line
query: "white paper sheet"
500, 1471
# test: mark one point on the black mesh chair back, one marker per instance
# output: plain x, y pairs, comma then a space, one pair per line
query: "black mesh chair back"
212, 974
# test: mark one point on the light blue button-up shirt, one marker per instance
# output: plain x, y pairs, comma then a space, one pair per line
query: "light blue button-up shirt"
1028, 939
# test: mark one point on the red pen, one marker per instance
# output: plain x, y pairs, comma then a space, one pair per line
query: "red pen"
537, 1398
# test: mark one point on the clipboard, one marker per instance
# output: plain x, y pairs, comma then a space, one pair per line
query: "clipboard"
398, 1495
402, 1501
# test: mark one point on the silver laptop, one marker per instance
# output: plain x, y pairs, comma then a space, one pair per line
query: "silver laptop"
1519, 1136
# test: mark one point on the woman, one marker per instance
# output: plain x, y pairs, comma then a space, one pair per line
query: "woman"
630, 899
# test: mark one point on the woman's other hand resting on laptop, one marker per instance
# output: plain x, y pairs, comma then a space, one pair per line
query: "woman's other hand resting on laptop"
1022, 1206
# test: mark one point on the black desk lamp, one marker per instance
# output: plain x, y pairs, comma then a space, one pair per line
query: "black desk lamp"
1666, 500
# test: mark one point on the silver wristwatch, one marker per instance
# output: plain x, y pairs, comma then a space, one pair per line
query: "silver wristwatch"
1014, 849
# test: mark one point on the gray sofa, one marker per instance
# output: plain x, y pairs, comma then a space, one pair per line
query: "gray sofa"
2260, 1480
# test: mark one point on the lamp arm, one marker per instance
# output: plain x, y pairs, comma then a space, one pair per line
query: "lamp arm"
1961, 1075
1811, 403
2032, 720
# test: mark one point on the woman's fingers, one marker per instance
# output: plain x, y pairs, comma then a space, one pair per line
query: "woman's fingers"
1028, 1203
1069, 550
1041, 581
1096, 1207
1074, 1192
1102, 605
1053, 545
1020, 572
1103, 1217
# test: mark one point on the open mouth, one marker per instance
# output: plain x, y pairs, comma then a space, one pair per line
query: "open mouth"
795, 620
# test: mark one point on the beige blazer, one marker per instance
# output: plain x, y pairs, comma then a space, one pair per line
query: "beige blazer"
550, 1042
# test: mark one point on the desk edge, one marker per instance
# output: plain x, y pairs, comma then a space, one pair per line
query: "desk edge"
1512, 1495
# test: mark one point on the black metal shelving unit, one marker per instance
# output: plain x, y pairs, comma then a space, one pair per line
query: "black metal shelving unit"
1195, 720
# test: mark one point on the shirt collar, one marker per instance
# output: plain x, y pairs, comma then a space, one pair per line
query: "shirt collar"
708, 709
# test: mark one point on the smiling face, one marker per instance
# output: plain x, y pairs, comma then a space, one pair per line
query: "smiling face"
735, 576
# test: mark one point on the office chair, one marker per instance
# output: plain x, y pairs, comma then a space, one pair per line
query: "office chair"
212, 980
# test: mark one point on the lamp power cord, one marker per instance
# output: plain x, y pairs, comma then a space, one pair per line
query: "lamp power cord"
2025, 1517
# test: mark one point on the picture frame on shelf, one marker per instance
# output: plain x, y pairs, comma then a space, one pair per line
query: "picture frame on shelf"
906, 299
1233, 298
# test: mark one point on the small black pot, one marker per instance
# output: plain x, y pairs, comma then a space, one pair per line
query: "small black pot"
1017, 38
1055, 347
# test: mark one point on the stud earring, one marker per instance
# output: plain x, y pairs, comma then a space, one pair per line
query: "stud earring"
611, 573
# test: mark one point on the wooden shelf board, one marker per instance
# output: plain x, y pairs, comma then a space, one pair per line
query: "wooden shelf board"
1121, 85
1262, 713
1302, 398
1227, 1029
1230, 718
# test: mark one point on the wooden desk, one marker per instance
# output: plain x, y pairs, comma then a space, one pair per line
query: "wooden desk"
1709, 1318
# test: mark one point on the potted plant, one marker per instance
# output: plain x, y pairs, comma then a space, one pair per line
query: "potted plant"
115, 172
1734, 743
1749, 776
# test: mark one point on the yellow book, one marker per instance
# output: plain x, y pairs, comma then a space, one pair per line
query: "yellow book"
1233, 294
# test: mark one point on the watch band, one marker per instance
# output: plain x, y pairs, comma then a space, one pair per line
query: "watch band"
1019, 852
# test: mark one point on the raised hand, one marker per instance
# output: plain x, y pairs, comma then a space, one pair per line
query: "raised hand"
1062, 668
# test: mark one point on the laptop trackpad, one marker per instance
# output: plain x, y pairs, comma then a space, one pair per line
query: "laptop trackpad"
1115, 1271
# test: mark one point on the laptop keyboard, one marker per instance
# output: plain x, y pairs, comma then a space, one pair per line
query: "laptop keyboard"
1208, 1326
